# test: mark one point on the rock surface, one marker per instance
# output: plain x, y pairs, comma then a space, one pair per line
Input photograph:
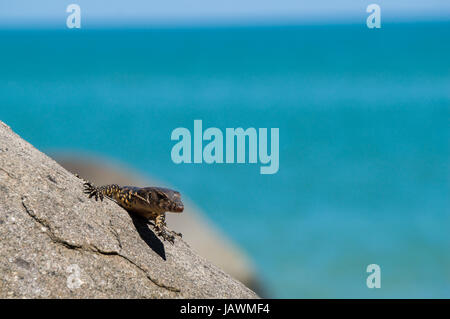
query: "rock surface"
55, 242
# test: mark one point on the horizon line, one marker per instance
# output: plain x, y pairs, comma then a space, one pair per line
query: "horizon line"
214, 23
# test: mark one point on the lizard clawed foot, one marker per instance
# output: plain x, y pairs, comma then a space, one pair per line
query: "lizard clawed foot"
92, 191
163, 231
166, 235
177, 234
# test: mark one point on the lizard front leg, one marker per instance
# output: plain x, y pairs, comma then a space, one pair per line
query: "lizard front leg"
163, 231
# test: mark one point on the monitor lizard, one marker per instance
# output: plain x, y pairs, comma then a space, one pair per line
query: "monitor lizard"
152, 203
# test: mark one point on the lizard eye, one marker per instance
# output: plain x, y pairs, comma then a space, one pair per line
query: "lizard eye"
161, 195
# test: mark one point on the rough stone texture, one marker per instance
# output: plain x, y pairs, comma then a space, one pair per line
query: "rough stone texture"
55, 242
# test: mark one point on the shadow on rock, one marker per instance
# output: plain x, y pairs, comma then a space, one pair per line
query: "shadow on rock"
147, 235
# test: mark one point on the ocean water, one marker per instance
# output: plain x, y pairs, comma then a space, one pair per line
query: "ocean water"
364, 150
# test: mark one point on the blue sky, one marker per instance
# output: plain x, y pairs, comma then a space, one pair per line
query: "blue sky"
150, 12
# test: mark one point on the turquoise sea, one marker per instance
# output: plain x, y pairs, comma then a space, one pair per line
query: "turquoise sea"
364, 129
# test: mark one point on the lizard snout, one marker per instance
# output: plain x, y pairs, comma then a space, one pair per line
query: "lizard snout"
178, 208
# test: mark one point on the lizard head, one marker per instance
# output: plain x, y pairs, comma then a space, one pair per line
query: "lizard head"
170, 200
